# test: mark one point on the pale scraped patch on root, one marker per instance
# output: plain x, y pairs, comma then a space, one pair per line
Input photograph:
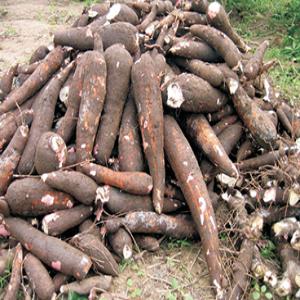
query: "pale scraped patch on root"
56, 265
293, 197
270, 278
227, 180
175, 96
127, 252
233, 85
295, 240
58, 145
102, 194
113, 11
213, 9
64, 94
253, 194
285, 226
270, 195
150, 29
47, 200
267, 87
89, 32
84, 261
92, 13
150, 187
69, 204
24, 130
284, 287
44, 177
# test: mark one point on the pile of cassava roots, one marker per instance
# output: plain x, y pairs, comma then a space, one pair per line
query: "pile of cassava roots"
139, 122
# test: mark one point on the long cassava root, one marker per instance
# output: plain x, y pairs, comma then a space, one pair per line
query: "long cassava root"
132, 128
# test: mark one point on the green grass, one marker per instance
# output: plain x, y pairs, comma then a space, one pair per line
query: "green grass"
279, 22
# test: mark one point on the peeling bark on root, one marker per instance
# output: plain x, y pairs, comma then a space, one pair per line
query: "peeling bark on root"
240, 270
39, 54
193, 94
63, 220
92, 246
179, 226
186, 169
11, 156
39, 277
132, 182
84, 287
148, 101
118, 62
32, 197
6, 81
16, 274
78, 185
52, 251
92, 101
36, 80
43, 117
147, 242
129, 146
121, 243
120, 202
205, 138
50, 153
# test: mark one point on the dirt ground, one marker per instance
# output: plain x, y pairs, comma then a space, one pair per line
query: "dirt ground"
178, 270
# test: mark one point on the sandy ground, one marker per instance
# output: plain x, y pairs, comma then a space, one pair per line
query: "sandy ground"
178, 270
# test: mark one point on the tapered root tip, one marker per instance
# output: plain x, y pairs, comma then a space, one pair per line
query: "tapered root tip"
233, 85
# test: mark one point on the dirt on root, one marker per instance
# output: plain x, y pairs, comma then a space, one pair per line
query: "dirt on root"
178, 270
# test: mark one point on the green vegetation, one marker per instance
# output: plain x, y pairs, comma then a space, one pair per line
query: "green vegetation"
279, 22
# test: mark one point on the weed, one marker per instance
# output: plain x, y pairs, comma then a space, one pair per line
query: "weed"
9, 32
268, 250
260, 292
75, 296
172, 243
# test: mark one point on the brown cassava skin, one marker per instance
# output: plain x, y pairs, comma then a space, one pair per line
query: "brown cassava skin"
90, 227
101, 8
229, 138
4, 210
102, 282
121, 243
255, 63
118, 63
217, 17
194, 50
81, 21
120, 12
208, 72
92, 101
129, 145
205, 138
76, 184
52, 251
16, 275
220, 114
43, 118
241, 268
6, 258
195, 5
198, 95
39, 277
148, 101
132, 182
50, 153
195, 192
277, 214
6, 81
60, 279
220, 42
147, 242
245, 150
32, 197
224, 123
179, 226
149, 18
11, 156
10, 124
227, 72
270, 158
82, 38
39, 54
36, 80
258, 123
102, 259
190, 18
28, 69
63, 220
119, 202
68, 123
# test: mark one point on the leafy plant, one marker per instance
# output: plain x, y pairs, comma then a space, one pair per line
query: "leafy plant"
75, 296
268, 251
260, 292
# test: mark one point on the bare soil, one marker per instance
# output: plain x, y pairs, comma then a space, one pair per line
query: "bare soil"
178, 270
